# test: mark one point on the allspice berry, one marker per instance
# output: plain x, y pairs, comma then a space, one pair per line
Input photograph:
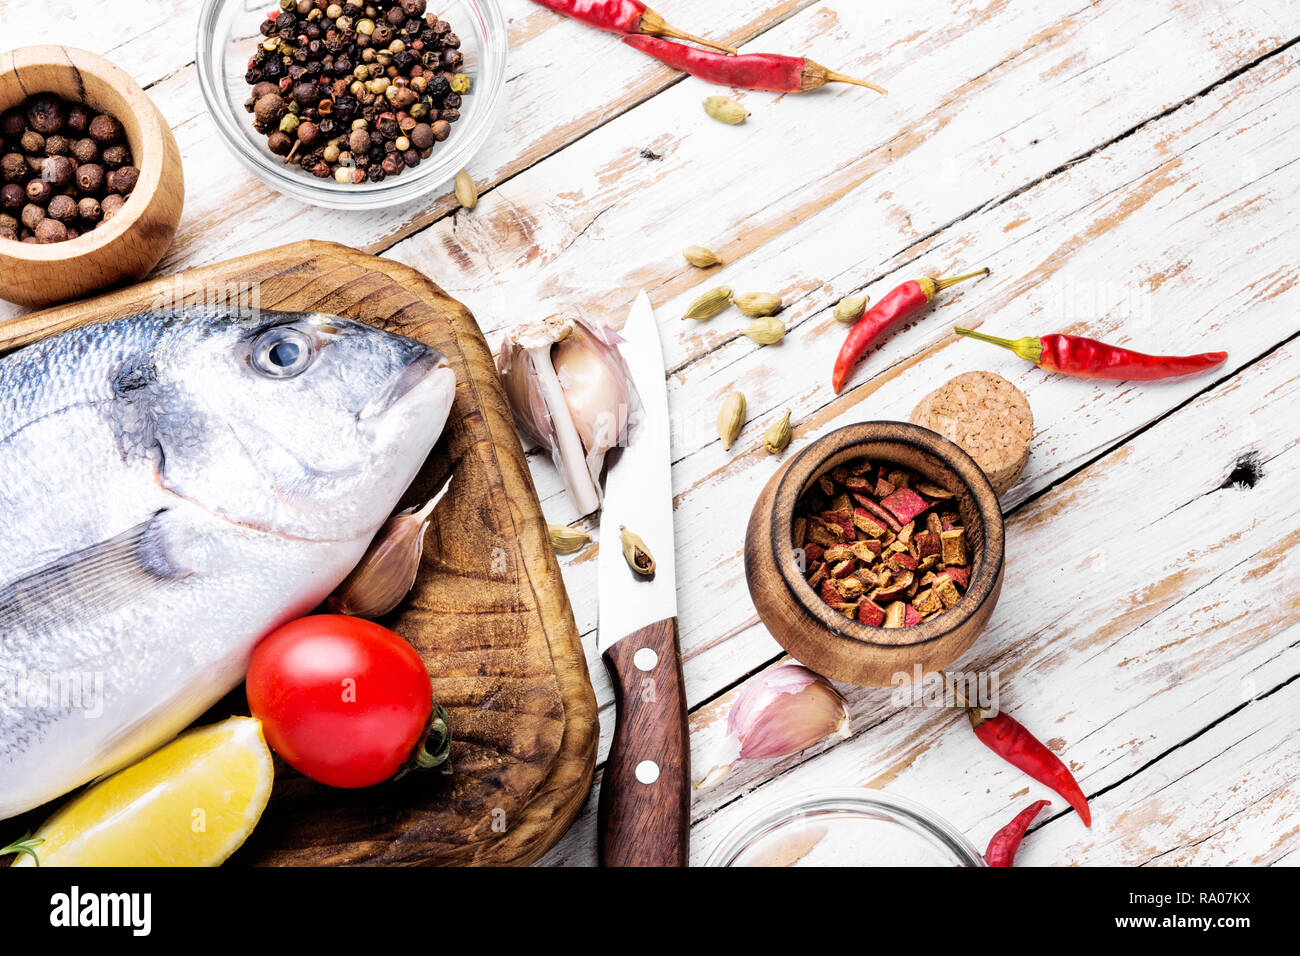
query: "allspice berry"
278, 143
78, 118
359, 142
13, 167
39, 191
62, 208
8, 232
421, 136
31, 215
12, 197
268, 110
57, 145
51, 230
45, 113
116, 156
441, 130
58, 171
309, 135
123, 180
32, 143
12, 123
88, 209
85, 150
111, 205
105, 130
90, 178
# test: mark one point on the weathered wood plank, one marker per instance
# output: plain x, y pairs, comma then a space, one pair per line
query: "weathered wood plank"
1121, 635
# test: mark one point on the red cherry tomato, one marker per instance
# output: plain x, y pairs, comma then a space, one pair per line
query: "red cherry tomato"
344, 701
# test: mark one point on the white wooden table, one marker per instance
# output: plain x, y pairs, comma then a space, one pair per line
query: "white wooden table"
1127, 170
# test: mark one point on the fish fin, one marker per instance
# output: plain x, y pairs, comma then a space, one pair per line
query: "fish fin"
91, 582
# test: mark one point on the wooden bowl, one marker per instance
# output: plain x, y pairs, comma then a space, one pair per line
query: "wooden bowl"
819, 636
126, 247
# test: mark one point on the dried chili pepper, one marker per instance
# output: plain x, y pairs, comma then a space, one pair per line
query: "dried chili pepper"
624, 16
748, 71
1002, 848
899, 304
1088, 358
1008, 738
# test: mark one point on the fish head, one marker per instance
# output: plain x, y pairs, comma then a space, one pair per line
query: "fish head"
302, 424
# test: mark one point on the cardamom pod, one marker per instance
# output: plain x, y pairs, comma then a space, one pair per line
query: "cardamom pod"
850, 308
709, 304
725, 110
466, 191
566, 540
778, 435
638, 556
731, 419
766, 331
757, 304
700, 257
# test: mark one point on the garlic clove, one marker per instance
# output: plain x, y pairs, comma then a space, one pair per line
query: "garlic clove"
780, 712
569, 390
390, 566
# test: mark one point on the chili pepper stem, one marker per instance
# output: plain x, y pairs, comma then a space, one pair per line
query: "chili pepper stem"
941, 284
833, 77
1029, 348
654, 25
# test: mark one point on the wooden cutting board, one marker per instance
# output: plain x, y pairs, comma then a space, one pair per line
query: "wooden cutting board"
489, 613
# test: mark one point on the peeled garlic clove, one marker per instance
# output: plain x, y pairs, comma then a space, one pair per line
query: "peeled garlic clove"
387, 572
780, 712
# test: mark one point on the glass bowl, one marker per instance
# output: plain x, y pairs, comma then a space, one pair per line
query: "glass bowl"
845, 827
228, 34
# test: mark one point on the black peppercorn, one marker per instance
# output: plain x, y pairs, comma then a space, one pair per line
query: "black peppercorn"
439, 86
452, 101
450, 116
452, 60
451, 41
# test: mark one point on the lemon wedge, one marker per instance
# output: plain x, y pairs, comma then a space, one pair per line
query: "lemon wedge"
191, 803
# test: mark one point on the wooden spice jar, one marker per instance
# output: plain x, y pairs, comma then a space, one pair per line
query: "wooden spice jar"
821, 637
131, 243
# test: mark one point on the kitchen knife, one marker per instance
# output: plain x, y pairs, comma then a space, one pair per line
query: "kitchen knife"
645, 793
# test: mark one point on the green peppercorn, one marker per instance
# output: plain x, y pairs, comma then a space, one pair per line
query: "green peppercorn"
289, 124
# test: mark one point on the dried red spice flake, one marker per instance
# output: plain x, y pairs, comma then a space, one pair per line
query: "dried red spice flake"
878, 548
1002, 848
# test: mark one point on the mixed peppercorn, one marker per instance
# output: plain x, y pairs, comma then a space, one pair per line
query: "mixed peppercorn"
65, 169
355, 92
868, 552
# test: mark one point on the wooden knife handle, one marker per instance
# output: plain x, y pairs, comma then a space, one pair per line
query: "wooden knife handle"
645, 794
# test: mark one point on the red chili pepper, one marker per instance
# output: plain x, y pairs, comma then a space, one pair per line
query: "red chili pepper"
624, 16
1002, 848
900, 303
748, 71
1088, 358
1007, 738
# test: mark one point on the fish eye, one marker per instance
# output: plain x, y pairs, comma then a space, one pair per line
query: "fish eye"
282, 352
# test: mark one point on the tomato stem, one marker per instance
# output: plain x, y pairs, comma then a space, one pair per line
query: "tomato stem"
434, 748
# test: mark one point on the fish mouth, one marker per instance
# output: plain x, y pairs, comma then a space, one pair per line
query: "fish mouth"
418, 371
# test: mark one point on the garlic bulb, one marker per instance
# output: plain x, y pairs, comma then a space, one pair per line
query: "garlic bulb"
778, 713
571, 392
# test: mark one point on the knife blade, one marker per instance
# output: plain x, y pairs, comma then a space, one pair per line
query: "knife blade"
644, 809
